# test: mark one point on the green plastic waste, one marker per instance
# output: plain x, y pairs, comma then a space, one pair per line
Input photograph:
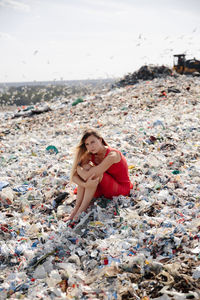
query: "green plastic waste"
176, 172
52, 149
77, 101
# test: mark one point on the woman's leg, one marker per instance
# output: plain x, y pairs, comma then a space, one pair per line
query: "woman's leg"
88, 195
109, 187
80, 196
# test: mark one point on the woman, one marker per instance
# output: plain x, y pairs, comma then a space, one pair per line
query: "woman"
98, 170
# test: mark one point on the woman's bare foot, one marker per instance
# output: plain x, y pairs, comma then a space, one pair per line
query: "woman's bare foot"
67, 218
70, 217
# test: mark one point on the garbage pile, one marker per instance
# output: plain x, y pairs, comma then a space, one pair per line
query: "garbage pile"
143, 246
31, 110
147, 72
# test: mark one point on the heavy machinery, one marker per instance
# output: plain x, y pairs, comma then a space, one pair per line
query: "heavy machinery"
183, 66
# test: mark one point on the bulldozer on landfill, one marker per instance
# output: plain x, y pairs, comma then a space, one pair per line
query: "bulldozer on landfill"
186, 66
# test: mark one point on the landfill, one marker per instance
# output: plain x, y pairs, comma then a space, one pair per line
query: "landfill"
142, 246
146, 72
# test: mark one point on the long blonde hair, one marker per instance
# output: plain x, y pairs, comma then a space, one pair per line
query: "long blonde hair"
81, 150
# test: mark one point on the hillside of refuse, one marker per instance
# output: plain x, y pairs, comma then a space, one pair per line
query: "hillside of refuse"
143, 246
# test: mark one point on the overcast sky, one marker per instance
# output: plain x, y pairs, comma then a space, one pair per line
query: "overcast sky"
86, 39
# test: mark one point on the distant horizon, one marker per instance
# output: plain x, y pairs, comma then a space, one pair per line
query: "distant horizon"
56, 81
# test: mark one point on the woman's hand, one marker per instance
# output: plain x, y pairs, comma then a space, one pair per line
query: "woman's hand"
92, 182
83, 171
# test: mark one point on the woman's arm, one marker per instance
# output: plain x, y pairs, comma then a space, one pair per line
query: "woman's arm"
112, 158
76, 179
91, 181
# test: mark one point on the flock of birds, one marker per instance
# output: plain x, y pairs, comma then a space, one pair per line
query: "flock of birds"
140, 41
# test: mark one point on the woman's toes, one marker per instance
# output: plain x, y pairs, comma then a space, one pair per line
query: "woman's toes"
67, 218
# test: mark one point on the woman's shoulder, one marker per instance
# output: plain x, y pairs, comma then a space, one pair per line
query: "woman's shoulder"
114, 154
113, 150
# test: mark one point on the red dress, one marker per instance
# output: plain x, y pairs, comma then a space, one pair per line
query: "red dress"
115, 180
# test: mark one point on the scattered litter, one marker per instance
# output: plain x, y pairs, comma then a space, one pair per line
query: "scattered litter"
142, 246
77, 101
52, 149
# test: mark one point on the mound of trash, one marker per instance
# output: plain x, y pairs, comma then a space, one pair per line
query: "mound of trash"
144, 246
145, 73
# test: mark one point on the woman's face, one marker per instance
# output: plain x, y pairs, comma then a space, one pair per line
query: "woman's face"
93, 144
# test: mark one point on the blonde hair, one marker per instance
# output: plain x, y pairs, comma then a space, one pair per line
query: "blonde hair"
81, 150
